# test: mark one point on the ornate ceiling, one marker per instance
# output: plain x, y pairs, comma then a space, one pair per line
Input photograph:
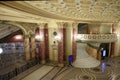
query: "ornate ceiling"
6, 30
61, 10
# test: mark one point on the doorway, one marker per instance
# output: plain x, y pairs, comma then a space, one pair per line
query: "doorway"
104, 47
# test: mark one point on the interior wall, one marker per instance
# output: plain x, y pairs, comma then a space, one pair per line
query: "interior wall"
100, 27
105, 28
94, 28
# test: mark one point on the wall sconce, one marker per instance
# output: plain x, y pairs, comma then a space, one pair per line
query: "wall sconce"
39, 37
57, 38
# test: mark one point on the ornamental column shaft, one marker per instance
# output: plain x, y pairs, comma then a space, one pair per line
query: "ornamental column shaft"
42, 43
61, 44
46, 43
33, 45
27, 47
74, 44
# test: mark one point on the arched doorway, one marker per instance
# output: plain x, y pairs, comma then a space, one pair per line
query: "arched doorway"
12, 44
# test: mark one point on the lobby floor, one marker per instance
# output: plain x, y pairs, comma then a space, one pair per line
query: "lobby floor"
109, 69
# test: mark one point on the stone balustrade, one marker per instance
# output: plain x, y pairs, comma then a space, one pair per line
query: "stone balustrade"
100, 38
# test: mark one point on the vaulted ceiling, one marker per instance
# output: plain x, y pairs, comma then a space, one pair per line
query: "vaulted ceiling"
61, 10
6, 30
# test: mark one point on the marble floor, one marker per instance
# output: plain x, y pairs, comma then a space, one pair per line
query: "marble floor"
109, 69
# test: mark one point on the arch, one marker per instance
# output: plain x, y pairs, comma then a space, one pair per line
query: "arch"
17, 25
30, 32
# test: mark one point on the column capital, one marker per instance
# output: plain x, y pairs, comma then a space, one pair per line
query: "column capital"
26, 35
75, 24
32, 35
42, 25
60, 24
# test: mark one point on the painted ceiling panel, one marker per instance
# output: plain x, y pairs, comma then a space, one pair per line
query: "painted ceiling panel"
68, 10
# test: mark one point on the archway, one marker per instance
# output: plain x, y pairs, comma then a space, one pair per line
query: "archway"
12, 43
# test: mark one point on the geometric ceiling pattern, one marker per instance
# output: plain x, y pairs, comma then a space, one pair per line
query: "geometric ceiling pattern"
68, 10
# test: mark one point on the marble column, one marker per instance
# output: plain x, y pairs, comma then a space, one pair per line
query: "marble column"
61, 46
42, 52
33, 46
46, 43
74, 44
42, 43
27, 47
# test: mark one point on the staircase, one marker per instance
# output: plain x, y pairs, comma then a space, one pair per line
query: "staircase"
83, 60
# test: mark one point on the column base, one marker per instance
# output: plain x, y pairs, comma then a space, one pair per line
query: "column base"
43, 62
60, 64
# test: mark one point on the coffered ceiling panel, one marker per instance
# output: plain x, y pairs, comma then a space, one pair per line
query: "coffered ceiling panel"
68, 10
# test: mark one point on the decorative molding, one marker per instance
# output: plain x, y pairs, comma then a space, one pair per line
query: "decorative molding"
60, 24
42, 25
75, 24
